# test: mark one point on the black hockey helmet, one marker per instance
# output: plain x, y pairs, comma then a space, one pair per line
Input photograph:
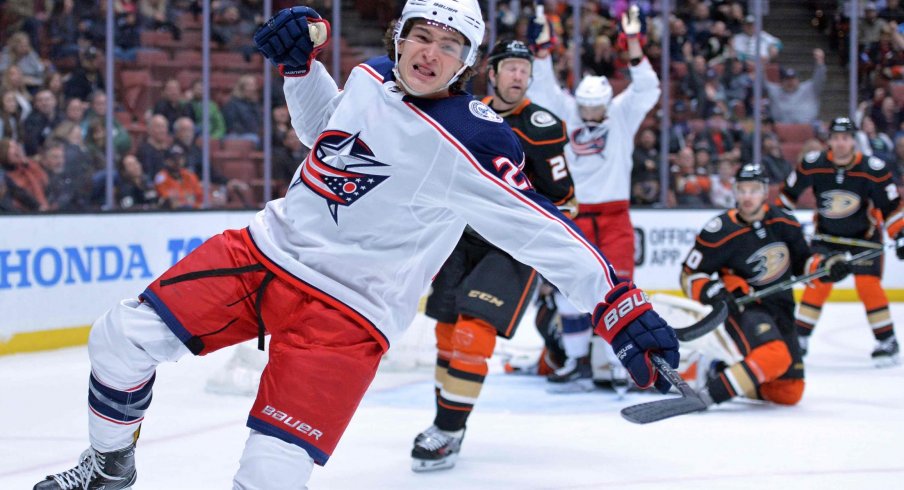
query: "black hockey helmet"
842, 125
751, 172
508, 49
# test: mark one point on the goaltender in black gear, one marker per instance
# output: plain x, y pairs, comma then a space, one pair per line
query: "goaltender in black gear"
481, 291
753, 247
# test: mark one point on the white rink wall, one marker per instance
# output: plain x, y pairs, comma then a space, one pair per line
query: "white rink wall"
62, 271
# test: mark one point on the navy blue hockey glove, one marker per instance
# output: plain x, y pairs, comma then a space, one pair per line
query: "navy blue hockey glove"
540, 34
292, 38
899, 245
627, 321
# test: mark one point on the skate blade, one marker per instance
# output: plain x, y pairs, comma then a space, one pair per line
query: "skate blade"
886, 361
425, 465
576, 386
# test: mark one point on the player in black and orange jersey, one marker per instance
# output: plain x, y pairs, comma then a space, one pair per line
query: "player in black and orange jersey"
481, 291
752, 247
852, 191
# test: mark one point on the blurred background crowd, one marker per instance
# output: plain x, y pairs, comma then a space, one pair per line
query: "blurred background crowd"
52, 94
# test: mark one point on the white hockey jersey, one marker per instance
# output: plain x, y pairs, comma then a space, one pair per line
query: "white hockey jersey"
388, 187
599, 157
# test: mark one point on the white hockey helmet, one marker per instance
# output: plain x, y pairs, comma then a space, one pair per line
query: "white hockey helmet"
462, 15
593, 92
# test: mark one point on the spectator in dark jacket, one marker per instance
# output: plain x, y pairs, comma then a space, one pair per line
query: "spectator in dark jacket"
171, 106
86, 78
243, 112
40, 123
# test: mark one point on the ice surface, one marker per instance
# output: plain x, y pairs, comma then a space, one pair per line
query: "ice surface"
848, 432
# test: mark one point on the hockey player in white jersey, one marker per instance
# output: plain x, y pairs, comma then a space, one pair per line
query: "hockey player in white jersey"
602, 130
401, 161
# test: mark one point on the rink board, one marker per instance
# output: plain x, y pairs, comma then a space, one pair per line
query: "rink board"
59, 272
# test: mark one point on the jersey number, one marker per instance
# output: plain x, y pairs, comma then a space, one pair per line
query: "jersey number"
511, 173
558, 168
693, 259
892, 192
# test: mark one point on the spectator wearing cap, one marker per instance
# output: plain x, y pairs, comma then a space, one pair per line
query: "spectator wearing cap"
86, 78
793, 101
25, 181
744, 43
870, 26
177, 186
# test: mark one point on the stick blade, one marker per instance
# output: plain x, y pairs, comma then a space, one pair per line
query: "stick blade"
644, 413
706, 325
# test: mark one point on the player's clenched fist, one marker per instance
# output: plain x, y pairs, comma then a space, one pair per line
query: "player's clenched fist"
627, 321
291, 39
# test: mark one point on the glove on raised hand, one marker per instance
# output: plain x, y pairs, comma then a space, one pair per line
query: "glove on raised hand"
540, 34
292, 38
630, 21
627, 321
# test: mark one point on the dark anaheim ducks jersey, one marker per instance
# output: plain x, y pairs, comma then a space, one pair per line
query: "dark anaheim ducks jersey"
846, 195
543, 137
761, 253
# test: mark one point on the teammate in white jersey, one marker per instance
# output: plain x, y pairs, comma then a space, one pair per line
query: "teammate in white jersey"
601, 130
401, 161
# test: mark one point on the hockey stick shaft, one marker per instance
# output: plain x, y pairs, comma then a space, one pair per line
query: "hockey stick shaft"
789, 283
839, 240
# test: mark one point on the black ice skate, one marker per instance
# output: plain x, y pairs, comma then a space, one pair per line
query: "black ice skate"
436, 449
96, 471
575, 376
886, 352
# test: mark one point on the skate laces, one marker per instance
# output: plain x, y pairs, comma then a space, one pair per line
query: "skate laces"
434, 438
80, 476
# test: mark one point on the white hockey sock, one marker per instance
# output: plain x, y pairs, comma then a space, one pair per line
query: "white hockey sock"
577, 344
125, 346
271, 464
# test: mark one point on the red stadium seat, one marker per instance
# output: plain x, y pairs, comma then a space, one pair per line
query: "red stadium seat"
793, 133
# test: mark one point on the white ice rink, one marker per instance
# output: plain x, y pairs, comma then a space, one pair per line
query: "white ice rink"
848, 432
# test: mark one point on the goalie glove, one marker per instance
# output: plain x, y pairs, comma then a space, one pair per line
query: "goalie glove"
627, 321
292, 38
540, 34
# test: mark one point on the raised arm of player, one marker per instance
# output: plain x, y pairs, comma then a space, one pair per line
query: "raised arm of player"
545, 91
291, 40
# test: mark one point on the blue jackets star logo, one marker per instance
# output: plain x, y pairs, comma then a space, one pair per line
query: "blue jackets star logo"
328, 170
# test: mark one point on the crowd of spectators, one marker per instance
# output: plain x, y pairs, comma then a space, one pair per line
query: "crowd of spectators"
52, 100
712, 52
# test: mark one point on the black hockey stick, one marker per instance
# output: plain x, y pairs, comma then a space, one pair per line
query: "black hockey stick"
706, 324
690, 401
720, 310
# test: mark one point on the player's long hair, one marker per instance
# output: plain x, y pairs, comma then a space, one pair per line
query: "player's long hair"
455, 87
